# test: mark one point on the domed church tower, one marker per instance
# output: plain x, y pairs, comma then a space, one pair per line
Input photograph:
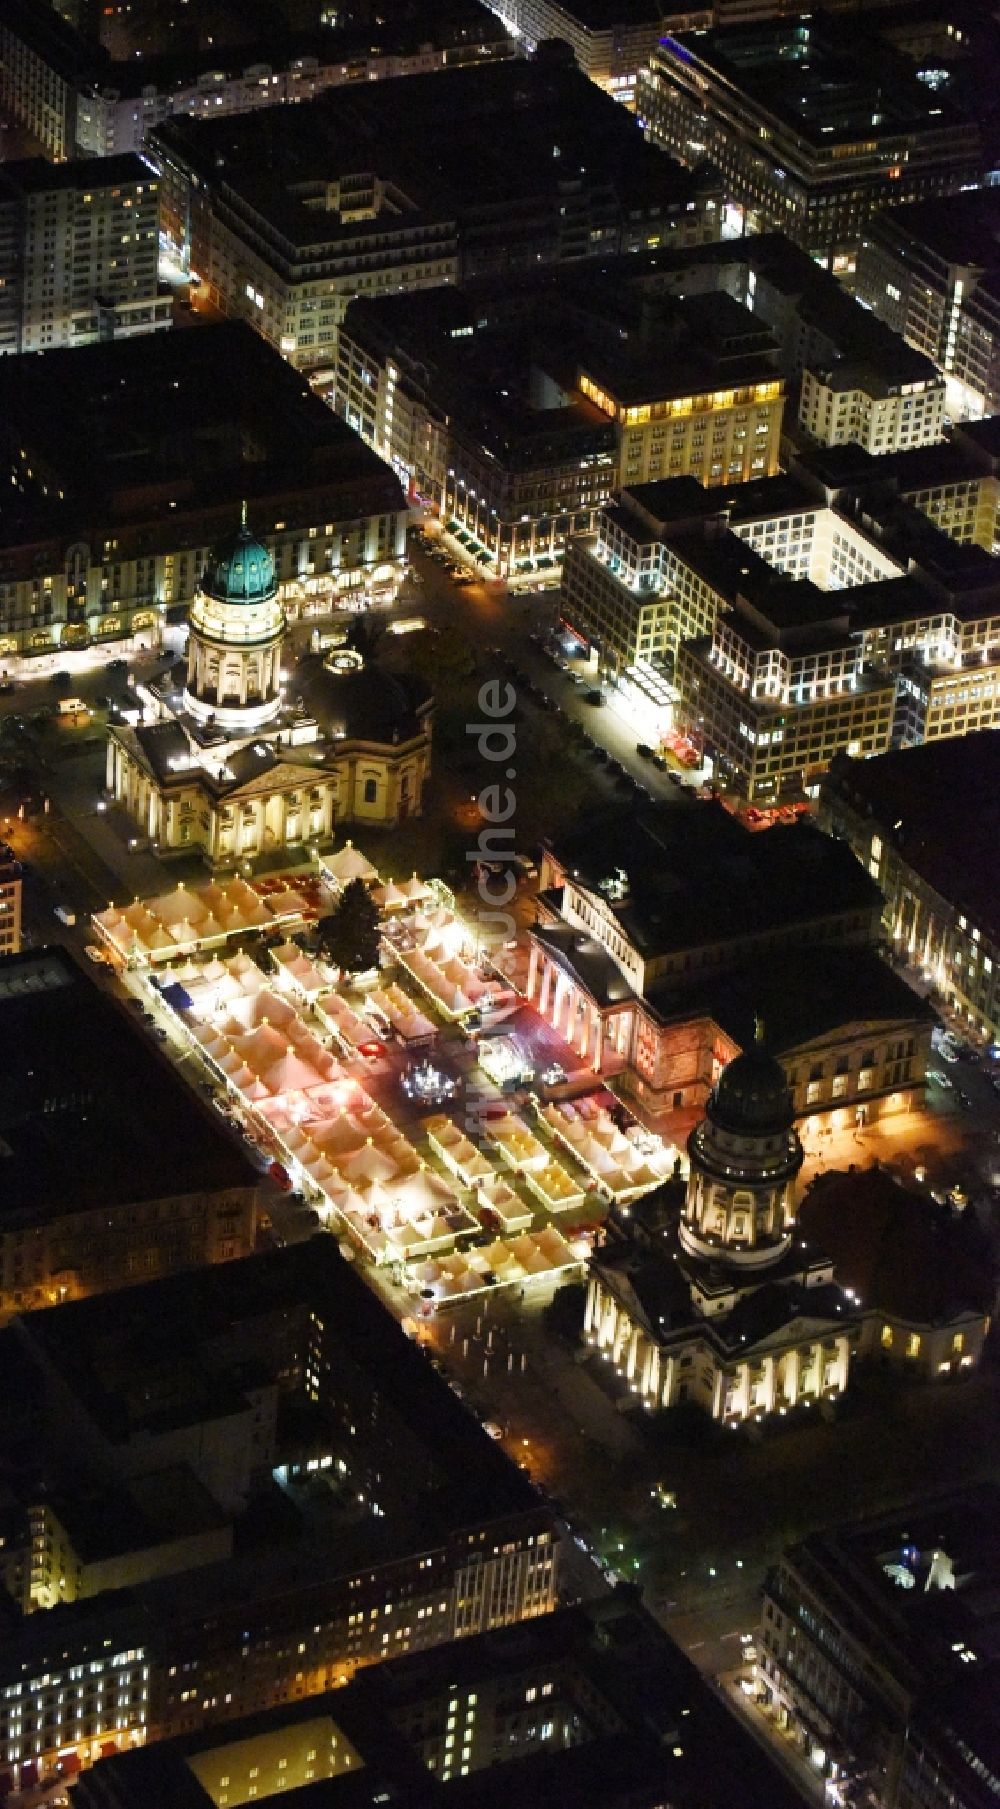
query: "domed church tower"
745, 1158
237, 626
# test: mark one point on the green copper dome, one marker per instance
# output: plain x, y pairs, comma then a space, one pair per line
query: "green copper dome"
240, 569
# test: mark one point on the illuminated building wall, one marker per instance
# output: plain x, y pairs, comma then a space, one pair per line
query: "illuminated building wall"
841, 406
928, 919
725, 436
11, 882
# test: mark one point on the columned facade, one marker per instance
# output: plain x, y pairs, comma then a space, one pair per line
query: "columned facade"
237, 626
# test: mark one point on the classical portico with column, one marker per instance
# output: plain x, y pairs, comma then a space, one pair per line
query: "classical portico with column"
722, 1307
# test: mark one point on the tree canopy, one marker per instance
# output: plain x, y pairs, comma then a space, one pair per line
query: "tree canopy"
349, 934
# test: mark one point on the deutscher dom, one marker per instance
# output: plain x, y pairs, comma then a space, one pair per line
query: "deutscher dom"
722, 1304
248, 752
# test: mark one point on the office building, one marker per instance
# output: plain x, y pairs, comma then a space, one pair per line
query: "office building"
923, 823
814, 124
879, 1654
932, 272
661, 934
519, 408
78, 253
78, 97
589, 1705
11, 884
89, 1203
95, 551
374, 1516
781, 623
410, 184
232, 765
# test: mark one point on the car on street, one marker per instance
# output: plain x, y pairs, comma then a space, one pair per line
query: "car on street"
643, 750
595, 697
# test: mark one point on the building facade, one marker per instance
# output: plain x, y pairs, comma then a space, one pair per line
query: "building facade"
877, 1656
11, 884
78, 99
79, 245
887, 636
597, 380
665, 994
923, 831
484, 195
931, 272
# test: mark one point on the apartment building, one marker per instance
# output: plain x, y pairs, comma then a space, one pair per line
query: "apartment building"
932, 272
577, 1708
80, 100
96, 551
923, 823
611, 40
79, 244
794, 619
398, 186
881, 408
814, 124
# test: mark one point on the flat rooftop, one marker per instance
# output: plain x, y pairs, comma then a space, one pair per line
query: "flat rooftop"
959, 229
164, 1342
174, 421
697, 877
940, 807
829, 80
445, 146
91, 1113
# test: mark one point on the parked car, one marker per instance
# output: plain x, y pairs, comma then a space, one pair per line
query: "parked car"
594, 697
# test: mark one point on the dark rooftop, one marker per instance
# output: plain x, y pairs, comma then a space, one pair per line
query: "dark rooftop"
105, 1347
697, 877
802, 996
939, 805
91, 1114
175, 421
445, 149
826, 78
900, 1251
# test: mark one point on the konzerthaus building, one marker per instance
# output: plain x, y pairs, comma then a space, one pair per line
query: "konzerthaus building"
181, 428
664, 931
